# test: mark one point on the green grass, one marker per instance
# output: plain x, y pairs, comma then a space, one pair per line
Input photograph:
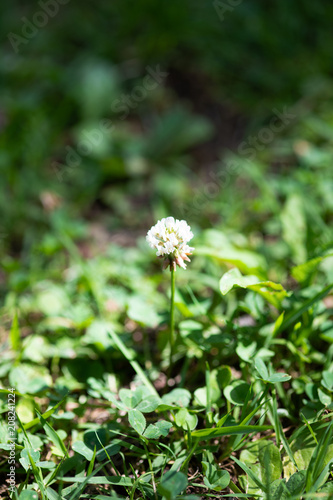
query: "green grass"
122, 386
248, 408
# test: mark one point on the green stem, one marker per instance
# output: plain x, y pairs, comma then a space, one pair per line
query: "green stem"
172, 318
276, 418
189, 456
151, 469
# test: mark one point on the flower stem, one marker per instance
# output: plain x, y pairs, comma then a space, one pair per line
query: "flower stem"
172, 318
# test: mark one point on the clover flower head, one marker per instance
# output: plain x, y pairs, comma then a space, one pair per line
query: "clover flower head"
170, 238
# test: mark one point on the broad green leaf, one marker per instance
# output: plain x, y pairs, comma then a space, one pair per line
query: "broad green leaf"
278, 377
52, 299
83, 449
324, 398
46, 465
28, 495
223, 376
261, 368
129, 398
165, 407
149, 404
179, 397
185, 419
25, 460
95, 438
163, 427
108, 451
327, 380
25, 408
154, 431
311, 391
274, 293
248, 485
97, 334
270, 462
296, 483
248, 457
215, 479
265, 463
278, 490
246, 348
119, 404
172, 484
236, 392
137, 421
234, 278
143, 311
30, 379
200, 394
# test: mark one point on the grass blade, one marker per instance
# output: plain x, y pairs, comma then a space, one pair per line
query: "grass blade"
317, 459
292, 317
46, 414
206, 434
52, 434
250, 473
135, 365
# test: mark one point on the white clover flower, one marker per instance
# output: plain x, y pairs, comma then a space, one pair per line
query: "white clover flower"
170, 237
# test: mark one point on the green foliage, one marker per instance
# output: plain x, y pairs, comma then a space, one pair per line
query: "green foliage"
274, 293
246, 407
215, 479
272, 378
172, 484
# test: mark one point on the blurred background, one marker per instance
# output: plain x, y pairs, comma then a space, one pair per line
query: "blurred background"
114, 114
